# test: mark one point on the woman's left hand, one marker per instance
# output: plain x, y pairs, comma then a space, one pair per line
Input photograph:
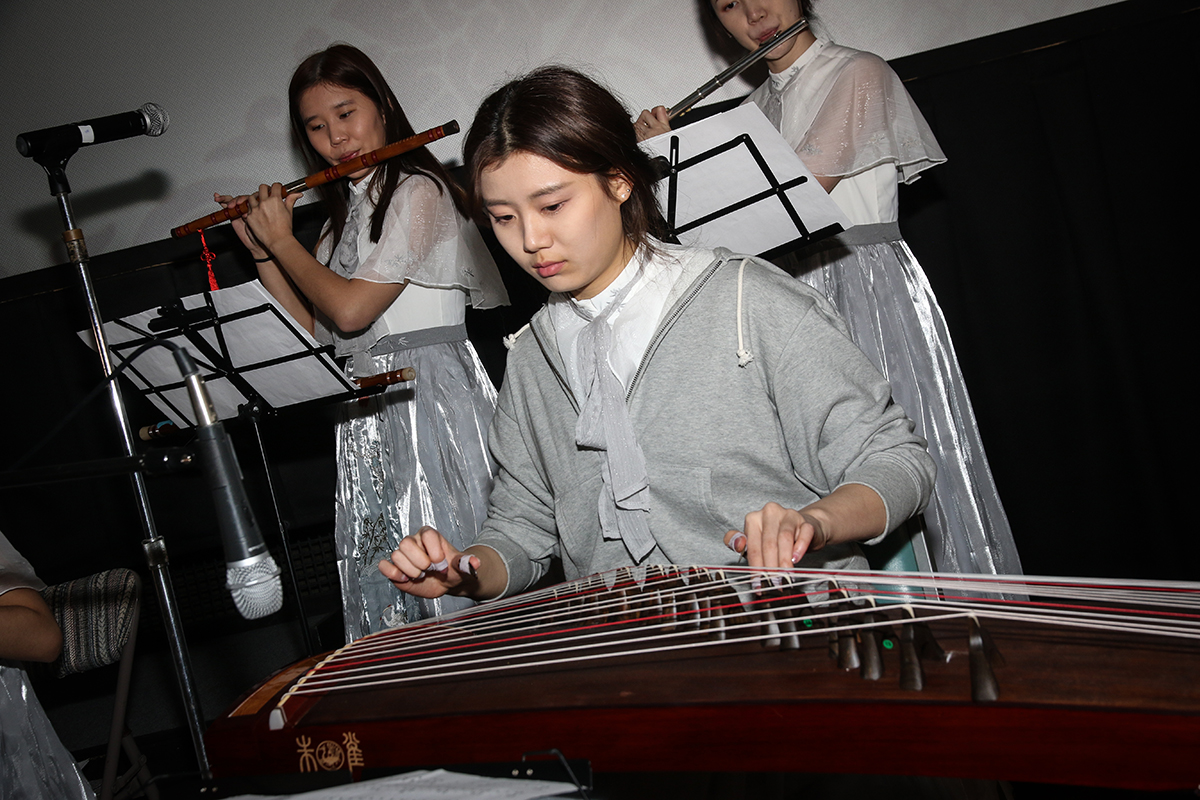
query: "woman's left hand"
778, 537
652, 122
270, 215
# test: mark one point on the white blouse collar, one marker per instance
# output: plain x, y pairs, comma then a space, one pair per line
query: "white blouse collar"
780, 79
593, 306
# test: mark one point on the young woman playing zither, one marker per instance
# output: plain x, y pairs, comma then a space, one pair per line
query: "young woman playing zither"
668, 404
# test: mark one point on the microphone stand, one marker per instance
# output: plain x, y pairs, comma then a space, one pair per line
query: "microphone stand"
54, 162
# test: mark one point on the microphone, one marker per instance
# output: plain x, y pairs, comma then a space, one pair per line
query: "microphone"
150, 120
251, 575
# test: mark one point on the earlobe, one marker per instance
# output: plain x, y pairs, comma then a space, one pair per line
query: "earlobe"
620, 186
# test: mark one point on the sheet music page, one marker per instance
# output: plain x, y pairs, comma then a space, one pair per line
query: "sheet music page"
264, 335
432, 785
735, 175
251, 341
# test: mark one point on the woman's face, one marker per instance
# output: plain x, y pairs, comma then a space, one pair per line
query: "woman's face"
563, 227
342, 124
752, 22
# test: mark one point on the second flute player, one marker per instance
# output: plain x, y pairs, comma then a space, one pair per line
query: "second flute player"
394, 268
853, 124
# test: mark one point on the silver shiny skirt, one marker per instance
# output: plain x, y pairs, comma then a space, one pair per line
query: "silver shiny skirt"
872, 278
415, 455
35, 765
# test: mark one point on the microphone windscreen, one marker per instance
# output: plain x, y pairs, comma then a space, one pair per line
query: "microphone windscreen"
156, 119
255, 586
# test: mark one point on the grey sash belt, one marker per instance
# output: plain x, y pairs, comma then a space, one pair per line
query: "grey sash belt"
397, 342
857, 235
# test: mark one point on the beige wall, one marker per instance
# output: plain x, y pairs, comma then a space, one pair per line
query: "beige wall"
220, 69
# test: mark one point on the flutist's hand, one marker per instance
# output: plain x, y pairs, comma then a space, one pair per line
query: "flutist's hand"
257, 251
271, 270
652, 122
270, 215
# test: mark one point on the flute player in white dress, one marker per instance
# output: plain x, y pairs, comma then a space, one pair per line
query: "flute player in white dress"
851, 121
395, 267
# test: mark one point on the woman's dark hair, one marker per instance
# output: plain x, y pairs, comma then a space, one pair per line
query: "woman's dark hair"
350, 68
571, 120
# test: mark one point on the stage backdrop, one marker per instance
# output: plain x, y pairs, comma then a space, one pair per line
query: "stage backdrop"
220, 69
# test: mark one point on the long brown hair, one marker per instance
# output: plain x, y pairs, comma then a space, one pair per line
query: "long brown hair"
571, 120
350, 68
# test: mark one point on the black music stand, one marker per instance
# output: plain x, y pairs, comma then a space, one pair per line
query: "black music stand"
250, 351
254, 359
734, 182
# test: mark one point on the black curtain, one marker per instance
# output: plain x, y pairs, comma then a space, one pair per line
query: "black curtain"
1053, 240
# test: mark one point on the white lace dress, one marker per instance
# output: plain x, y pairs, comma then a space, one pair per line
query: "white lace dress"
847, 115
416, 454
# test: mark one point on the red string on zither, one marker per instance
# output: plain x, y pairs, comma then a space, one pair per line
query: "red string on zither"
209, 257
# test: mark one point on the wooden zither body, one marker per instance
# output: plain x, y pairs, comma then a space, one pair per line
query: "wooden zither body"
723, 669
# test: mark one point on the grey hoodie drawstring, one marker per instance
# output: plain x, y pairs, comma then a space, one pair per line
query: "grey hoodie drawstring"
744, 355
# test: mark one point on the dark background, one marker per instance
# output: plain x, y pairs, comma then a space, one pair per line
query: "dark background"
1050, 238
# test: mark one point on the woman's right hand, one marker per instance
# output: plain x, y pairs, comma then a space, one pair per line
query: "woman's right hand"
270, 216
257, 251
239, 226
652, 122
426, 565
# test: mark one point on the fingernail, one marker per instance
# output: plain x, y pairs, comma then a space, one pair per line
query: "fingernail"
733, 543
464, 565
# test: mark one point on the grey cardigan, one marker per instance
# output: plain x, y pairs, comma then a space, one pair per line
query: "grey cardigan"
807, 414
